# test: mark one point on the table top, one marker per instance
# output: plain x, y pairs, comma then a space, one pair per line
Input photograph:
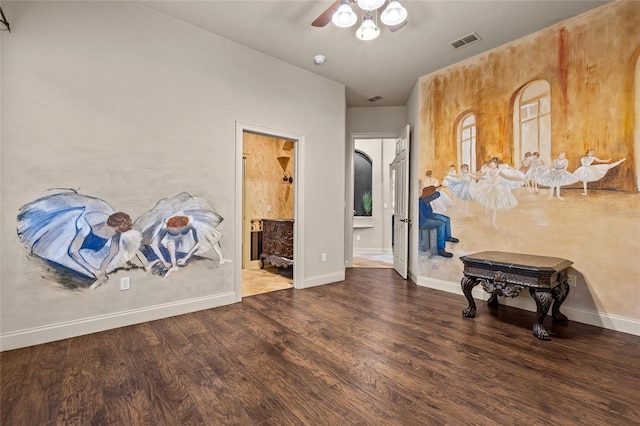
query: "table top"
516, 261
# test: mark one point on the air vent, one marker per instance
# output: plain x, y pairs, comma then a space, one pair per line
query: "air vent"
465, 41
375, 98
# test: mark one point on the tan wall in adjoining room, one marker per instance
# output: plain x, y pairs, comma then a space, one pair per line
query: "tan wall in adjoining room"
265, 158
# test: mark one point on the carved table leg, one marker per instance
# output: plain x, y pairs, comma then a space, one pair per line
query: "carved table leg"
543, 302
493, 300
467, 285
559, 293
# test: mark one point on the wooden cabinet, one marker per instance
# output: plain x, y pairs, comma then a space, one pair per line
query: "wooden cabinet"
277, 242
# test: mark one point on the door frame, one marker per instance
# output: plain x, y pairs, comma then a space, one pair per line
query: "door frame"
348, 210
298, 201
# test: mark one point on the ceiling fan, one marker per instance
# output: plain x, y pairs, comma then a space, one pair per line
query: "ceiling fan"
392, 14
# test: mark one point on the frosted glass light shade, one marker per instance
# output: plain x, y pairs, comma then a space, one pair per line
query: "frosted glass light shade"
344, 16
370, 4
368, 30
394, 14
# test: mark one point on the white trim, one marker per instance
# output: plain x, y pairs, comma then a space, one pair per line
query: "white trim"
598, 319
298, 225
363, 221
64, 330
324, 279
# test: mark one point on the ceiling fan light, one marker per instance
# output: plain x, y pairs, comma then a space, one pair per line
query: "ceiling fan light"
370, 4
344, 16
368, 30
394, 14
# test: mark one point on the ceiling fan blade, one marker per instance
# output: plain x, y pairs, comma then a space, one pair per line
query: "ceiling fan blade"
394, 28
325, 17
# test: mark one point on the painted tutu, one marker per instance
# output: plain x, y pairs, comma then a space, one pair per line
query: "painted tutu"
178, 228
78, 233
491, 194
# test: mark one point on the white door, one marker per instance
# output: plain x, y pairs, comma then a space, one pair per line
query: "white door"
400, 170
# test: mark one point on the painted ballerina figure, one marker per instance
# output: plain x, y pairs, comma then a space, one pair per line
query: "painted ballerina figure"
515, 177
78, 234
176, 229
451, 175
557, 176
460, 185
589, 172
490, 193
536, 169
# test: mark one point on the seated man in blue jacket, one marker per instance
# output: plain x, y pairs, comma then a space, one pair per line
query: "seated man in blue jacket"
431, 220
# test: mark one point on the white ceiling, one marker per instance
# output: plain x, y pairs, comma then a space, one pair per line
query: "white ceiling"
388, 66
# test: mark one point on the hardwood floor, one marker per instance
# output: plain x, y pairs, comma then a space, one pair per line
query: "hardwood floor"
372, 350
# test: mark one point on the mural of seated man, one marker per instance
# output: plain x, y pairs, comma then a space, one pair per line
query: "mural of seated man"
437, 221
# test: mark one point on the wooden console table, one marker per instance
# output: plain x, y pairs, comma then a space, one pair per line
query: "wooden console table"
277, 242
507, 274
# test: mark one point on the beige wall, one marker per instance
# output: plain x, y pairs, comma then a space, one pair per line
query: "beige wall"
589, 63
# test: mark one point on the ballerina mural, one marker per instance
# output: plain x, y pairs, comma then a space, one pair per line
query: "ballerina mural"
83, 239
557, 176
175, 230
589, 172
460, 186
491, 193
78, 235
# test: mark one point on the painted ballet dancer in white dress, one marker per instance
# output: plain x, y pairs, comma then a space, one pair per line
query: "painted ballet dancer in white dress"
536, 169
460, 185
557, 176
515, 177
491, 194
589, 172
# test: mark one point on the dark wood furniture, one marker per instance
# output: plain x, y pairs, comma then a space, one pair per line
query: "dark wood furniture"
277, 242
507, 274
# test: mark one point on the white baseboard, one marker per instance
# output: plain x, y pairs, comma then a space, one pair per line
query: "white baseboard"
324, 279
65, 330
598, 319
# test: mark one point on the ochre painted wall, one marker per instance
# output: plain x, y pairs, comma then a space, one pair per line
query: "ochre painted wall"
267, 160
589, 63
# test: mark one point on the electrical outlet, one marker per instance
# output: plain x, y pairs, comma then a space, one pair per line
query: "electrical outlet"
125, 284
324, 257
572, 280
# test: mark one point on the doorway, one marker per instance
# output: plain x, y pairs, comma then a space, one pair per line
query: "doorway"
267, 190
372, 195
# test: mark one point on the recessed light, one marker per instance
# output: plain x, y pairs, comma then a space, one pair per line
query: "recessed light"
319, 59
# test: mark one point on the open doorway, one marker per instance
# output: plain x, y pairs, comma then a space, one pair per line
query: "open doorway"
268, 211
373, 202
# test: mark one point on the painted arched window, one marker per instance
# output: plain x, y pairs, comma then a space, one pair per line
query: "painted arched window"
467, 141
362, 184
532, 121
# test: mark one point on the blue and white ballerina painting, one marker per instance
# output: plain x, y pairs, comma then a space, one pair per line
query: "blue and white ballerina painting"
175, 230
81, 238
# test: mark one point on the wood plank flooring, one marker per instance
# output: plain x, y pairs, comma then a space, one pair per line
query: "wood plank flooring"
372, 350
